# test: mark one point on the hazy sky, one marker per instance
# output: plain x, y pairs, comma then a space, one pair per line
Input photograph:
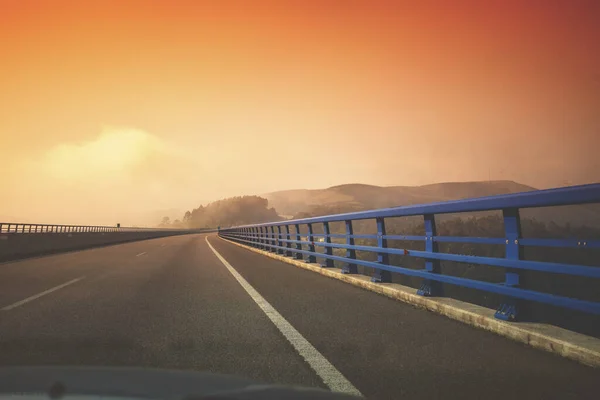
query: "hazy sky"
109, 109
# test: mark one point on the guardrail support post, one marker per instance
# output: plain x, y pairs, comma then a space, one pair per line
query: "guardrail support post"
349, 268
298, 244
430, 287
263, 235
508, 311
279, 242
288, 245
382, 258
311, 245
263, 240
328, 250
273, 241
268, 238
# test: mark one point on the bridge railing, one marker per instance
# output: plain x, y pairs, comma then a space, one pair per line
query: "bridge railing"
21, 228
285, 238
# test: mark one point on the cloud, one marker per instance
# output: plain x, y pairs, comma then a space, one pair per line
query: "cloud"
115, 153
119, 175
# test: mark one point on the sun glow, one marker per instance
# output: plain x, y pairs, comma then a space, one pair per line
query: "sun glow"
115, 151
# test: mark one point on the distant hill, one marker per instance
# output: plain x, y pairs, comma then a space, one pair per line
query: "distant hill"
356, 197
291, 202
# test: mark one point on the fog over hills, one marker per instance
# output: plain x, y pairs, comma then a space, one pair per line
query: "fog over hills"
355, 197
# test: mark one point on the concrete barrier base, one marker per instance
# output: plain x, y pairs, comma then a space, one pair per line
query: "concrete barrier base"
572, 345
16, 246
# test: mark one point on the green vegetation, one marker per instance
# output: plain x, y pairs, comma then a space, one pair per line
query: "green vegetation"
233, 211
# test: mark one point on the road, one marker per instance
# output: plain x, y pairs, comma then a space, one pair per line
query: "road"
172, 303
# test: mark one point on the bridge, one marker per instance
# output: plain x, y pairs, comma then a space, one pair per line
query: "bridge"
341, 302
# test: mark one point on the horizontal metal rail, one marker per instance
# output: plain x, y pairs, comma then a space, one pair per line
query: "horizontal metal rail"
22, 228
285, 238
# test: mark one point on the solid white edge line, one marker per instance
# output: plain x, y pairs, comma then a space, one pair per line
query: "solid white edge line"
27, 300
141, 254
332, 378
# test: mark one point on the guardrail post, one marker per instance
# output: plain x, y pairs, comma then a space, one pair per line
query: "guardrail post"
382, 258
288, 237
311, 245
273, 242
349, 268
508, 311
260, 238
279, 242
328, 249
268, 239
430, 287
298, 244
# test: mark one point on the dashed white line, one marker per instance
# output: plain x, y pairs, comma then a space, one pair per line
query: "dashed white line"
141, 254
324, 369
37, 296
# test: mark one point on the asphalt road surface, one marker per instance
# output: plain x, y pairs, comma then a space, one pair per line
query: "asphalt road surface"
173, 303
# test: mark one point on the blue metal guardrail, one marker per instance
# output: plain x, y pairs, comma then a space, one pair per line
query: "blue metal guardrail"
20, 228
269, 236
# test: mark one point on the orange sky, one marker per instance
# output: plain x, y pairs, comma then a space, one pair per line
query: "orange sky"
112, 108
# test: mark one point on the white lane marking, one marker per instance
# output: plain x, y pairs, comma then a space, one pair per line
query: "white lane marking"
141, 254
324, 369
27, 300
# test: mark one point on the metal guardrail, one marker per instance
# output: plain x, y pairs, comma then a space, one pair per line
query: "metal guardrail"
269, 236
20, 228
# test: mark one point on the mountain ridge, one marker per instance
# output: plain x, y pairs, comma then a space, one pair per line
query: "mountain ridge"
359, 196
